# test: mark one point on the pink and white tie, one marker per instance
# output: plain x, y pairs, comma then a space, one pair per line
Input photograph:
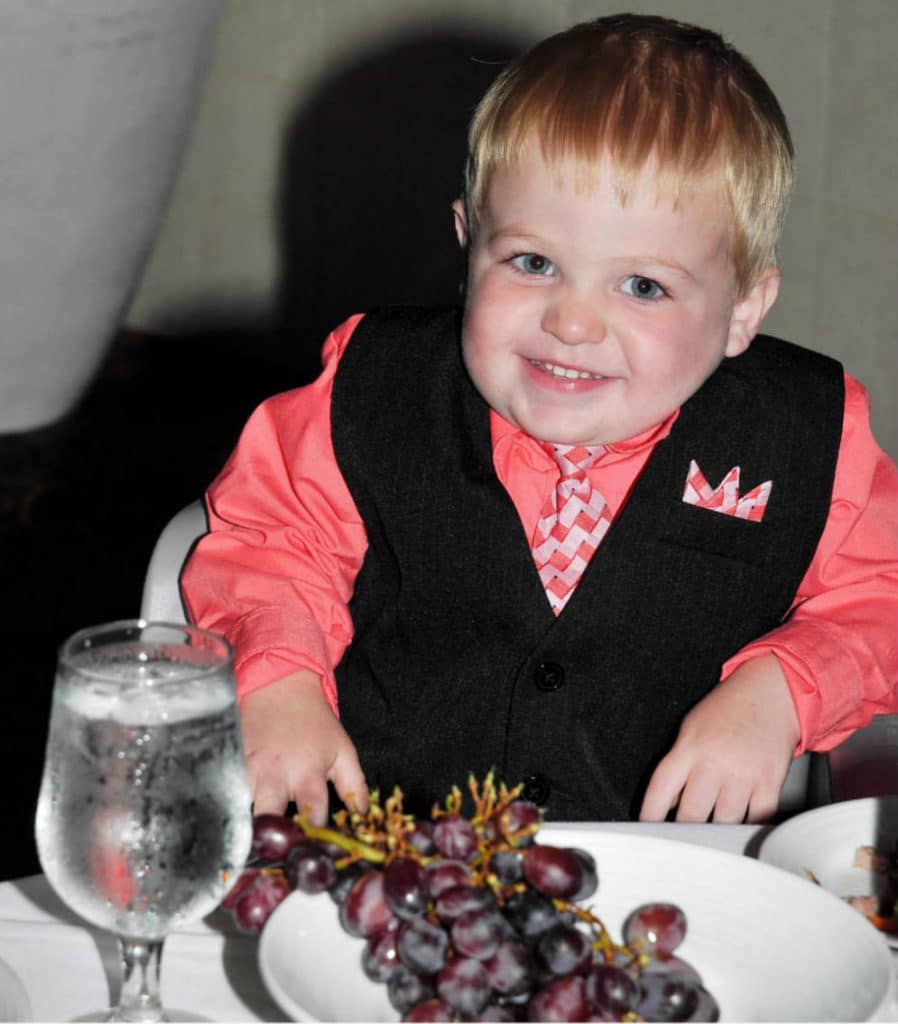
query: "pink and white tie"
571, 525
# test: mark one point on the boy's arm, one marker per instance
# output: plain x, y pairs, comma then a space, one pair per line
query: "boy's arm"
814, 680
277, 568
837, 647
275, 575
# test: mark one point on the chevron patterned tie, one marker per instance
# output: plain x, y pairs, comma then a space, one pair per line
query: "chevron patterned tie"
571, 525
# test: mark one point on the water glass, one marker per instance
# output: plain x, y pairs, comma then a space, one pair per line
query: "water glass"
144, 816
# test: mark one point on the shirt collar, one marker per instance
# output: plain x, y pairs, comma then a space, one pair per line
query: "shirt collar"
506, 437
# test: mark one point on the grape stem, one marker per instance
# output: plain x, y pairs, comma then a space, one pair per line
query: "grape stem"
359, 850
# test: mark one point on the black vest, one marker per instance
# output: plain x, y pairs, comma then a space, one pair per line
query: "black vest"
458, 664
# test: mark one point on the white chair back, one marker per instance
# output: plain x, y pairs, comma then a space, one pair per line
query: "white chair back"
161, 599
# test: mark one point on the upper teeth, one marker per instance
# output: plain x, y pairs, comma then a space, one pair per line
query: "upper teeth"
562, 371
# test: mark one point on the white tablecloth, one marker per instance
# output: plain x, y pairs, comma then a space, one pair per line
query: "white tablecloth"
68, 969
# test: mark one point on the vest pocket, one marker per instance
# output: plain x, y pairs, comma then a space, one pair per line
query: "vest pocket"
715, 533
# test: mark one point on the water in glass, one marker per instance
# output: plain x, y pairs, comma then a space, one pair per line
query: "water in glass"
143, 820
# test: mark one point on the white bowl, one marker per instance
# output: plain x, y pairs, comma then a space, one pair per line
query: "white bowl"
824, 842
768, 945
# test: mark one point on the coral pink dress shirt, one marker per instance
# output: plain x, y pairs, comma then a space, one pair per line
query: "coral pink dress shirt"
276, 572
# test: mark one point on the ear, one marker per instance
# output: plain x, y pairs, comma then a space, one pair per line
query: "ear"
461, 223
750, 310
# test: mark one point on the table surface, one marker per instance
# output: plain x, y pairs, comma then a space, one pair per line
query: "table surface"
69, 969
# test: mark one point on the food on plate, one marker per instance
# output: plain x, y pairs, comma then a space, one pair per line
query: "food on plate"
880, 908
466, 916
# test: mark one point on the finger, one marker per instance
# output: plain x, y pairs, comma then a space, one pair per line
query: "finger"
763, 804
731, 804
663, 791
698, 797
349, 780
309, 793
269, 796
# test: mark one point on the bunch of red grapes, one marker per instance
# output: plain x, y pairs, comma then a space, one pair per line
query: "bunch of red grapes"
468, 918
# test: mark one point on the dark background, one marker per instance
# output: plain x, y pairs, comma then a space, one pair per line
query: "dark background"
369, 169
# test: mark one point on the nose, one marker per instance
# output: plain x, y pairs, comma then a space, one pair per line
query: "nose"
573, 319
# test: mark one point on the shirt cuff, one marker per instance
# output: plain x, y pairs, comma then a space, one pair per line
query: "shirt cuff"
272, 643
824, 680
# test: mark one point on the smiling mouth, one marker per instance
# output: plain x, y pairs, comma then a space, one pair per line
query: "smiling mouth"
564, 372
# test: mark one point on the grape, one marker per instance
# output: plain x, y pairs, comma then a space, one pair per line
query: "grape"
563, 999
660, 963
243, 880
510, 969
706, 1007
664, 997
590, 881
454, 837
431, 1010
520, 815
611, 990
465, 985
364, 912
553, 871
380, 957
258, 900
530, 913
507, 866
452, 903
496, 1012
446, 874
346, 878
422, 945
563, 949
406, 989
477, 933
274, 836
655, 927
404, 887
310, 869
421, 837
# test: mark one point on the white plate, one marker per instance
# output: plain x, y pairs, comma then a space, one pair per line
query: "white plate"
769, 946
824, 841
14, 1002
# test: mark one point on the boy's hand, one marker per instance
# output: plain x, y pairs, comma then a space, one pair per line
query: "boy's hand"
294, 744
732, 752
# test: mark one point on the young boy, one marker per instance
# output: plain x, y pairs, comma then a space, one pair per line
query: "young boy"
592, 532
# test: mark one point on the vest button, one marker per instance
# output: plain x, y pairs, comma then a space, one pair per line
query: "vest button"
549, 676
537, 789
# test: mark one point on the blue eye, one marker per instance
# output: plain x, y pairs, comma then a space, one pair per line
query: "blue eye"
643, 287
533, 263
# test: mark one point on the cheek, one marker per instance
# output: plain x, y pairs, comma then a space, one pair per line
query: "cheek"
486, 324
492, 292
473, 354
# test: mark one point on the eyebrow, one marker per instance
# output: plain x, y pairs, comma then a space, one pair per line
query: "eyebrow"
656, 261
513, 232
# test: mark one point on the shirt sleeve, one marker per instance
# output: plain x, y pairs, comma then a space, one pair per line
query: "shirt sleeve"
277, 569
838, 646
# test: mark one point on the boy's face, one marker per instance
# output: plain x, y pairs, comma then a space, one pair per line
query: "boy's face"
588, 321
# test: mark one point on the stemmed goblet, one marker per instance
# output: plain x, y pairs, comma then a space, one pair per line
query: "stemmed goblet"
144, 816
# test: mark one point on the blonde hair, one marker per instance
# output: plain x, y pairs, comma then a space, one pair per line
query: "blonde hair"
637, 88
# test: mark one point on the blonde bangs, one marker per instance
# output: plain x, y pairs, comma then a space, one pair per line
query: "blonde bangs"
585, 98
